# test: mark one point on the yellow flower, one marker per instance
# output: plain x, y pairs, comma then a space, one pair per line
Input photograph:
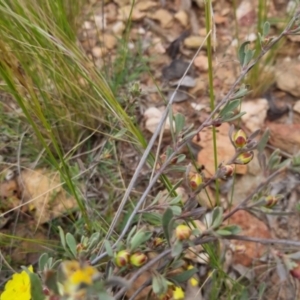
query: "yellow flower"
178, 293
18, 287
77, 276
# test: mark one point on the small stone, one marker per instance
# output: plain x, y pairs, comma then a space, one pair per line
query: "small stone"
100, 22
111, 12
297, 107
164, 17
286, 137
287, 74
182, 17
109, 41
200, 87
87, 25
146, 5
136, 15
98, 51
187, 81
118, 28
194, 42
201, 63
256, 112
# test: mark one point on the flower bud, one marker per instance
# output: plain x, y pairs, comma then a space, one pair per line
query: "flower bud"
195, 180
240, 139
138, 259
183, 232
122, 258
157, 242
79, 248
271, 201
295, 272
244, 158
226, 171
238, 248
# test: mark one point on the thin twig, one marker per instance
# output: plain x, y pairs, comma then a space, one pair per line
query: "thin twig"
262, 241
140, 166
147, 266
242, 204
206, 123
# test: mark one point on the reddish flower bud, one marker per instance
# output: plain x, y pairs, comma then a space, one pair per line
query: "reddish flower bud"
244, 158
195, 180
240, 139
295, 272
183, 232
271, 201
226, 171
138, 259
157, 241
46, 291
122, 258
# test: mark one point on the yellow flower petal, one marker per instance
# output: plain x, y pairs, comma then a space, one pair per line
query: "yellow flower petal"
77, 277
178, 293
84, 275
18, 287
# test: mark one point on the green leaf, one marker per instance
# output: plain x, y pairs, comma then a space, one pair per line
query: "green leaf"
103, 295
179, 123
175, 186
177, 249
56, 263
176, 264
240, 93
169, 151
120, 133
248, 56
43, 261
263, 141
230, 118
62, 237
233, 229
242, 52
108, 248
93, 240
139, 238
266, 29
130, 234
175, 200
184, 276
176, 210
167, 223
261, 289
153, 218
217, 217
295, 255
180, 158
159, 284
189, 135
223, 232
274, 159
36, 289
51, 280
230, 107
72, 244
